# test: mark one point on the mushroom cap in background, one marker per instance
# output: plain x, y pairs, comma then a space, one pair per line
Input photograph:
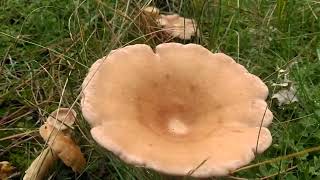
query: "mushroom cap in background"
152, 11
180, 110
177, 26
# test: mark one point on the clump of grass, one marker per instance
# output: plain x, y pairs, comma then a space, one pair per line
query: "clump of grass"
47, 46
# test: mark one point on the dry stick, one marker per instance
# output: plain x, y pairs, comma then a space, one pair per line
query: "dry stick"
281, 172
300, 153
14, 145
3, 119
236, 178
12, 119
18, 135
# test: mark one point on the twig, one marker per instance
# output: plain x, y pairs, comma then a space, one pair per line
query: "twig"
281, 172
300, 153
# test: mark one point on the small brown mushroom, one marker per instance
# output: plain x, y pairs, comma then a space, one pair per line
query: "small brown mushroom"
56, 130
63, 146
181, 110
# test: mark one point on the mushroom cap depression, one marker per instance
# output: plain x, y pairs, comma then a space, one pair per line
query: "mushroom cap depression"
181, 110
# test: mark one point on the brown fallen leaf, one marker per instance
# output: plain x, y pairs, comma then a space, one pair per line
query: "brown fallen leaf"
6, 170
41, 165
63, 146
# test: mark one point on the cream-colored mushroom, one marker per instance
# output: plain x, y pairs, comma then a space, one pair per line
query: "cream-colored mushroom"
178, 26
175, 108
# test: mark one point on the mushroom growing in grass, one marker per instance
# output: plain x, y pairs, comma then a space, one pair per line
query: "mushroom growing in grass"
56, 132
64, 147
180, 109
173, 25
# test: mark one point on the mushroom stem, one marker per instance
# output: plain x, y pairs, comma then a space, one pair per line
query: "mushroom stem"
41, 165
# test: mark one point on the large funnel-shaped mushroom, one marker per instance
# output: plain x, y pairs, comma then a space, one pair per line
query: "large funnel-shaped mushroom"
176, 108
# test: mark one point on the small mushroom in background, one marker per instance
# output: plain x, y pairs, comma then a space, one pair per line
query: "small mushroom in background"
178, 26
147, 23
56, 132
174, 25
180, 109
152, 11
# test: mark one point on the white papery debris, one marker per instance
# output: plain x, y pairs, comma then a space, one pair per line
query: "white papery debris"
286, 96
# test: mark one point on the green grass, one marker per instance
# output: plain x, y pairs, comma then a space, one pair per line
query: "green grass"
46, 48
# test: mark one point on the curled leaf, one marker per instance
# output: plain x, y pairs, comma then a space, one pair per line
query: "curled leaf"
63, 146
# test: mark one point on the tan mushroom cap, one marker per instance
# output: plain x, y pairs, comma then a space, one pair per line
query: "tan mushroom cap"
62, 118
175, 108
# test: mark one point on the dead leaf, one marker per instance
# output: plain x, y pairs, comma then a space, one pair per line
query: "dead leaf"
286, 96
6, 170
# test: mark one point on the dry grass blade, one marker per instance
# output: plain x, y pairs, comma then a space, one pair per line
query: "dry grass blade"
297, 154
